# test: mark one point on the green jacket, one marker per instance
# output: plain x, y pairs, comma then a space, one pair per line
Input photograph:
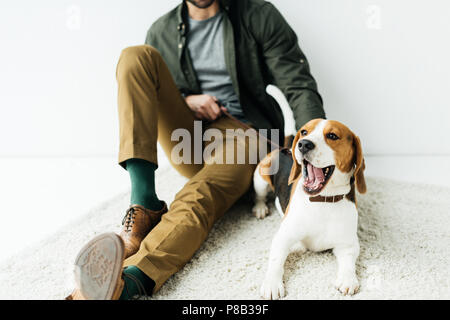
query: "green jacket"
260, 49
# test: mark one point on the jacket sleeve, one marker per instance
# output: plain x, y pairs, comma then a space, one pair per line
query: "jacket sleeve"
150, 38
286, 64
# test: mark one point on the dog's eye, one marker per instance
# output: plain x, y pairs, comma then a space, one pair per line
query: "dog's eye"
332, 136
304, 132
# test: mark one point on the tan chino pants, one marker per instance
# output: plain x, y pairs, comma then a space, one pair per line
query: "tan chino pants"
150, 108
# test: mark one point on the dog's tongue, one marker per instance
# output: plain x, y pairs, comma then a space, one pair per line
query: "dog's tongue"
315, 177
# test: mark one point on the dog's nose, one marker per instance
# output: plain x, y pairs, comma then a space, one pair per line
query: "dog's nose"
305, 145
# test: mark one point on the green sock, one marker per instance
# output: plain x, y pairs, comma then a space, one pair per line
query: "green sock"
135, 278
142, 175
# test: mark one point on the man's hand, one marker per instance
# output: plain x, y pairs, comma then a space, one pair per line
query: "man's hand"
205, 107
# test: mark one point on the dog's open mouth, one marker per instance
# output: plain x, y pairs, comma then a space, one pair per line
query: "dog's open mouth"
315, 179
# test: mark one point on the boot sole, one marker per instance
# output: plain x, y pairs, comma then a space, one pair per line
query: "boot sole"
98, 268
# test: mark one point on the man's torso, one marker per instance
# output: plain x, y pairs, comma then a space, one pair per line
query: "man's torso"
205, 43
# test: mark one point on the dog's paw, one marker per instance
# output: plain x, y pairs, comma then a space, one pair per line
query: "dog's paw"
260, 210
272, 289
347, 284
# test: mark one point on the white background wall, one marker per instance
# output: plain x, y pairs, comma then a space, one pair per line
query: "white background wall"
382, 66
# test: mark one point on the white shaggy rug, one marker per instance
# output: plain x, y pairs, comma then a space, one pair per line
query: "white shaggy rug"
404, 231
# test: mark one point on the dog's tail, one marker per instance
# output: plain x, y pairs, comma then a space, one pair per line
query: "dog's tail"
289, 122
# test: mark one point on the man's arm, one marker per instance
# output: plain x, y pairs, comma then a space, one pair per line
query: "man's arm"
287, 64
150, 38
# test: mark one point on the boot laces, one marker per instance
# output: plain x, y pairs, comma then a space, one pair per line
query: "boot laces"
128, 219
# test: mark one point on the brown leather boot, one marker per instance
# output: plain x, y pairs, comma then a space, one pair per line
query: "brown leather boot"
75, 295
98, 269
136, 224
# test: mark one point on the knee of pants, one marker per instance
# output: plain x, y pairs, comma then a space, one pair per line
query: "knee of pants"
213, 190
134, 59
238, 178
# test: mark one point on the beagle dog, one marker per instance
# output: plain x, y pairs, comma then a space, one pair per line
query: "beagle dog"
315, 193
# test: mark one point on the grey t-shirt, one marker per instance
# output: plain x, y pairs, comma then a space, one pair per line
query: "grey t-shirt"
206, 48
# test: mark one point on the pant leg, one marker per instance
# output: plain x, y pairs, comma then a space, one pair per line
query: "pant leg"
150, 107
203, 200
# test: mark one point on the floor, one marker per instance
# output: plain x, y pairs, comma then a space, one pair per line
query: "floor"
41, 195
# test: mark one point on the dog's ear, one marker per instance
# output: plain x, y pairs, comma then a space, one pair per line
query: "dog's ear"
360, 165
296, 169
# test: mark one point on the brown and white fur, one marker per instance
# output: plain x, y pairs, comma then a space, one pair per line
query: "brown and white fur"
306, 224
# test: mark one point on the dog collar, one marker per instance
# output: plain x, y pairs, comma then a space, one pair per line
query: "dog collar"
331, 199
